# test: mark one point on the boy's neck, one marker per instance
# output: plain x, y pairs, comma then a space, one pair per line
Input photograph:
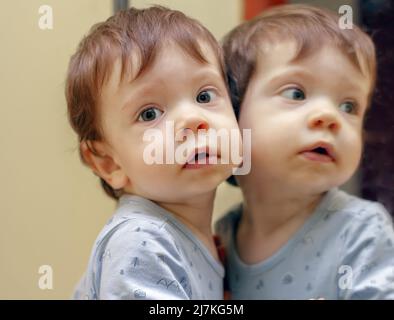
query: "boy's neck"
196, 214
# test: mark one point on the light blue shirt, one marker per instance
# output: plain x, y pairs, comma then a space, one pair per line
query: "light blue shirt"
144, 252
345, 250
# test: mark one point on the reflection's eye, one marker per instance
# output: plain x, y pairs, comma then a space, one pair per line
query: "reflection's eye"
348, 107
150, 114
293, 94
205, 96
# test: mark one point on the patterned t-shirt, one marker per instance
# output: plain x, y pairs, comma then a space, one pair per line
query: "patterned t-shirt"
144, 252
345, 250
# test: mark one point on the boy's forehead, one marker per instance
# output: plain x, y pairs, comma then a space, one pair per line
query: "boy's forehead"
168, 59
209, 53
132, 67
115, 76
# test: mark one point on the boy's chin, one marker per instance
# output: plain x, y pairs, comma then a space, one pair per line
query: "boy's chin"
209, 183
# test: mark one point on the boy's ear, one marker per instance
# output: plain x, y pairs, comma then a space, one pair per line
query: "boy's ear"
103, 164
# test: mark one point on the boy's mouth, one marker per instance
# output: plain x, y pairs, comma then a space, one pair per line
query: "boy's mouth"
320, 151
200, 157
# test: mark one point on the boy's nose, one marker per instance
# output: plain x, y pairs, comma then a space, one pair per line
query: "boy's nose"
324, 119
192, 121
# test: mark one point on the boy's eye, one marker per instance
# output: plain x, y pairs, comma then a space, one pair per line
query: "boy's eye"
205, 96
293, 94
348, 107
150, 114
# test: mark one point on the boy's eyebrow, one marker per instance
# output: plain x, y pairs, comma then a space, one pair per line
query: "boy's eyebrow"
147, 87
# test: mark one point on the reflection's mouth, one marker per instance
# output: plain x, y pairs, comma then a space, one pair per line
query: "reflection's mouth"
320, 150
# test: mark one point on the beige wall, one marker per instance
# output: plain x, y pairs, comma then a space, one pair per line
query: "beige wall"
51, 206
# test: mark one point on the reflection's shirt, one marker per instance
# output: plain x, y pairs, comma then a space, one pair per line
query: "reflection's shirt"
345, 250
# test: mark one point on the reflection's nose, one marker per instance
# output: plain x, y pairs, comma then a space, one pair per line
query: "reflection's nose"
324, 118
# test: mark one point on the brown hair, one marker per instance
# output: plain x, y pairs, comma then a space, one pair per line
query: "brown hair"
310, 28
134, 31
